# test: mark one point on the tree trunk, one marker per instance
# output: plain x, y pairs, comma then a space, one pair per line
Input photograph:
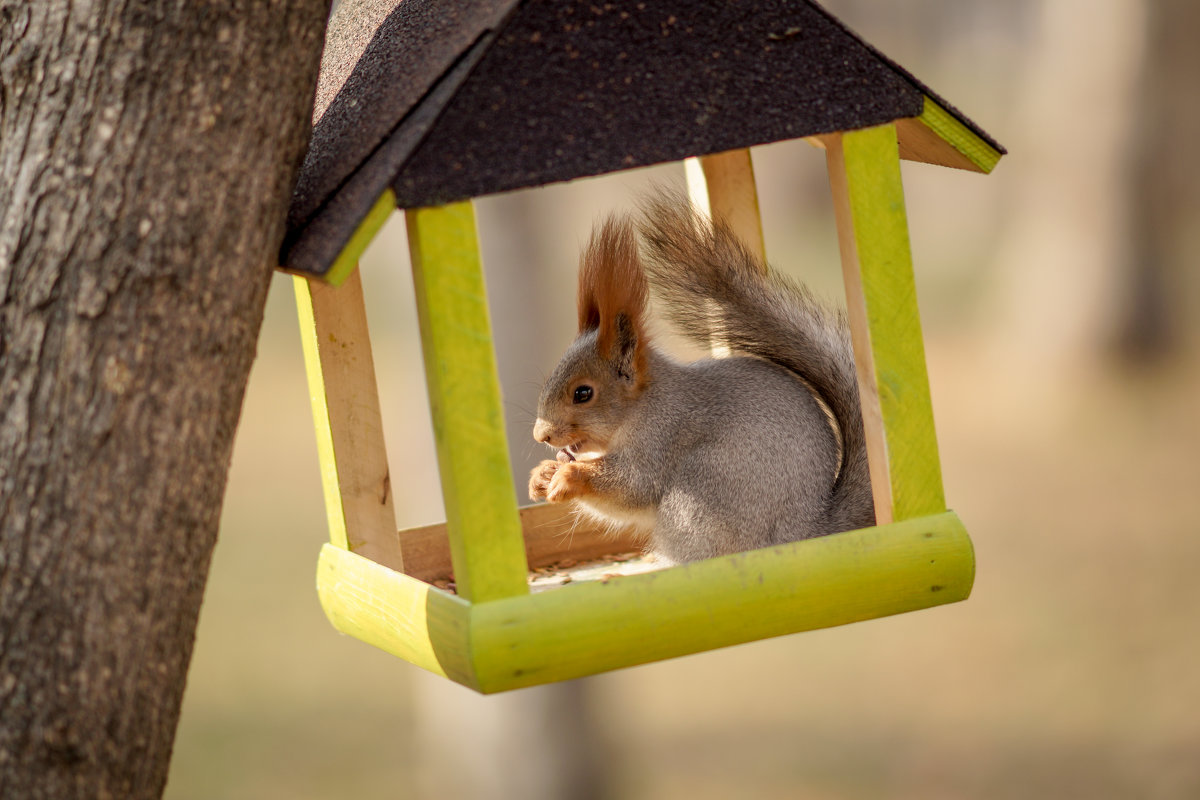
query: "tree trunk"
1158, 313
147, 154
1057, 268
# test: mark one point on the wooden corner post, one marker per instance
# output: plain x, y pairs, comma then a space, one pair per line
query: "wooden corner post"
486, 545
722, 186
868, 201
345, 402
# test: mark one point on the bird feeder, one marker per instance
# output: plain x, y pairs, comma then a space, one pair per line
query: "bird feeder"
422, 106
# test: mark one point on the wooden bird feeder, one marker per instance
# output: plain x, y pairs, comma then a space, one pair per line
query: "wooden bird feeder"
424, 105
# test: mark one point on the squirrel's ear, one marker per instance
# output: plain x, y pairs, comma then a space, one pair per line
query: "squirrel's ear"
612, 284
629, 352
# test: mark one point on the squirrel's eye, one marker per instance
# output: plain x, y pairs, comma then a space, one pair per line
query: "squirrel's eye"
583, 394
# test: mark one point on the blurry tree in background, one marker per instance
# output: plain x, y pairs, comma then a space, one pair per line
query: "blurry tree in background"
1162, 281
1064, 243
147, 156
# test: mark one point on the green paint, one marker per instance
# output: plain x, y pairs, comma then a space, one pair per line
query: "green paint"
586, 628
959, 136
347, 260
334, 512
399, 614
876, 197
486, 545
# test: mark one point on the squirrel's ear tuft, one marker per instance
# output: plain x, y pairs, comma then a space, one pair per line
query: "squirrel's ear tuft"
611, 285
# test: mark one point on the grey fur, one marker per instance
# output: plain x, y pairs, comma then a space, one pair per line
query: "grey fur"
719, 455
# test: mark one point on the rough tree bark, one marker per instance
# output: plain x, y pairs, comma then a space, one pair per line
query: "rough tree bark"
147, 153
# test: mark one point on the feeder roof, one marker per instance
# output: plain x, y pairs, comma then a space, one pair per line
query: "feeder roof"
442, 100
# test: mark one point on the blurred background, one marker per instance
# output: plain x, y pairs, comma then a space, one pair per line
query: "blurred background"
1060, 303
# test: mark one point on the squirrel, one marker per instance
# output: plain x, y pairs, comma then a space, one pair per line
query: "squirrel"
719, 455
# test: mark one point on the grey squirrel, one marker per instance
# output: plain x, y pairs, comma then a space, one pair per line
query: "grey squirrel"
715, 456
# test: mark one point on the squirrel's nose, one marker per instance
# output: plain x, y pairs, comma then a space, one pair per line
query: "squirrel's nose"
541, 431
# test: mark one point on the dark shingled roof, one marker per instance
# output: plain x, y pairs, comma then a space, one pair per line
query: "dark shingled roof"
453, 99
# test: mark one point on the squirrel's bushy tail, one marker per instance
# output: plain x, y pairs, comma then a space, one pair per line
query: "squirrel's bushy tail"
716, 289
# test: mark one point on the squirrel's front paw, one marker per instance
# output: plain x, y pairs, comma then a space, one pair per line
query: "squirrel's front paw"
539, 479
569, 481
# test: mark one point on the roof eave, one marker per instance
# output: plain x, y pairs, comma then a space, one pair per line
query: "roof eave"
939, 137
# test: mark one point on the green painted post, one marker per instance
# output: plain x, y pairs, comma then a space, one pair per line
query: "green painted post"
486, 544
864, 172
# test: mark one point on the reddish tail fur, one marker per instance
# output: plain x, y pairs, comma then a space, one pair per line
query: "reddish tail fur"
612, 284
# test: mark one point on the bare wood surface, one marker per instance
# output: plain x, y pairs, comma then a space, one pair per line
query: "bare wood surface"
919, 143
864, 358
147, 158
935, 137
348, 422
722, 185
552, 532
